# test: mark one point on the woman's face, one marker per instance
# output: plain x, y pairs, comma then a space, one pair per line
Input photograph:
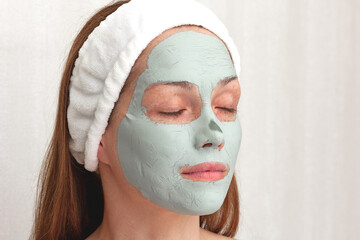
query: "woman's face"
182, 113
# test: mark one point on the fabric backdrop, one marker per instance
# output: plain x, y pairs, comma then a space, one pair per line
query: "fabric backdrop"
298, 168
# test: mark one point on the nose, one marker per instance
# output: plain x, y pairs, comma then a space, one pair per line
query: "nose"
210, 135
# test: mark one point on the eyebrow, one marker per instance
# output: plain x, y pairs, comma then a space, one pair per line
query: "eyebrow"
227, 80
187, 85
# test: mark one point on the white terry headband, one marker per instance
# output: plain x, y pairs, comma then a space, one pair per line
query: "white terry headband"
107, 56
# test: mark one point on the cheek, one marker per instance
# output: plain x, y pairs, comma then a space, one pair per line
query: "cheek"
159, 151
151, 145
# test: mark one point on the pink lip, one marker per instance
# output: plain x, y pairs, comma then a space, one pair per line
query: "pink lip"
208, 171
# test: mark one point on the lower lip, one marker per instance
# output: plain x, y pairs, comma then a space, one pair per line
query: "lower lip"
205, 176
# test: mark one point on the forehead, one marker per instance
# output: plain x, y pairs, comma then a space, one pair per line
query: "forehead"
190, 56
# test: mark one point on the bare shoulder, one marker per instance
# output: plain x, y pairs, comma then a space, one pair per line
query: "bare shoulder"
213, 236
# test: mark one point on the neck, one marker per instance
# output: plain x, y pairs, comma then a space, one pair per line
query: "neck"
128, 215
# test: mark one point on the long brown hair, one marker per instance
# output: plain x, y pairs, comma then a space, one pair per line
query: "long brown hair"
69, 200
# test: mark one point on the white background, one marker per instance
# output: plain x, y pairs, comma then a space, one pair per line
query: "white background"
299, 161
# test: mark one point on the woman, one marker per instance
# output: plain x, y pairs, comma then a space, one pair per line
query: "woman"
164, 165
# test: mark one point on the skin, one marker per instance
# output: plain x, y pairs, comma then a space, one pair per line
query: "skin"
127, 214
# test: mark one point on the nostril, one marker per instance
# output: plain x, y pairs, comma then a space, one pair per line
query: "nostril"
220, 146
207, 145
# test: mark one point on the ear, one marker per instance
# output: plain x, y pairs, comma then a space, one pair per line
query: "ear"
102, 152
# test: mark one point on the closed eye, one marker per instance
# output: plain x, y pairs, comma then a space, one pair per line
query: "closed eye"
231, 110
172, 113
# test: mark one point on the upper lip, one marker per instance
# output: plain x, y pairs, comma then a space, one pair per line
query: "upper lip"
203, 167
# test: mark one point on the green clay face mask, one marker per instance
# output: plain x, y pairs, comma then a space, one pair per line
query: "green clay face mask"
152, 153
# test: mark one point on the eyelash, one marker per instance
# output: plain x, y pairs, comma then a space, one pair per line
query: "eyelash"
178, 113
173, 113
231, 110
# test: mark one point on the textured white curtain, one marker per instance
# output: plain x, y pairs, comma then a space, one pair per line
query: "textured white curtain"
299, 163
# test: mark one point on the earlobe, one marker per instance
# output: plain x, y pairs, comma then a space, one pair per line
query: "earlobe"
102, 156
